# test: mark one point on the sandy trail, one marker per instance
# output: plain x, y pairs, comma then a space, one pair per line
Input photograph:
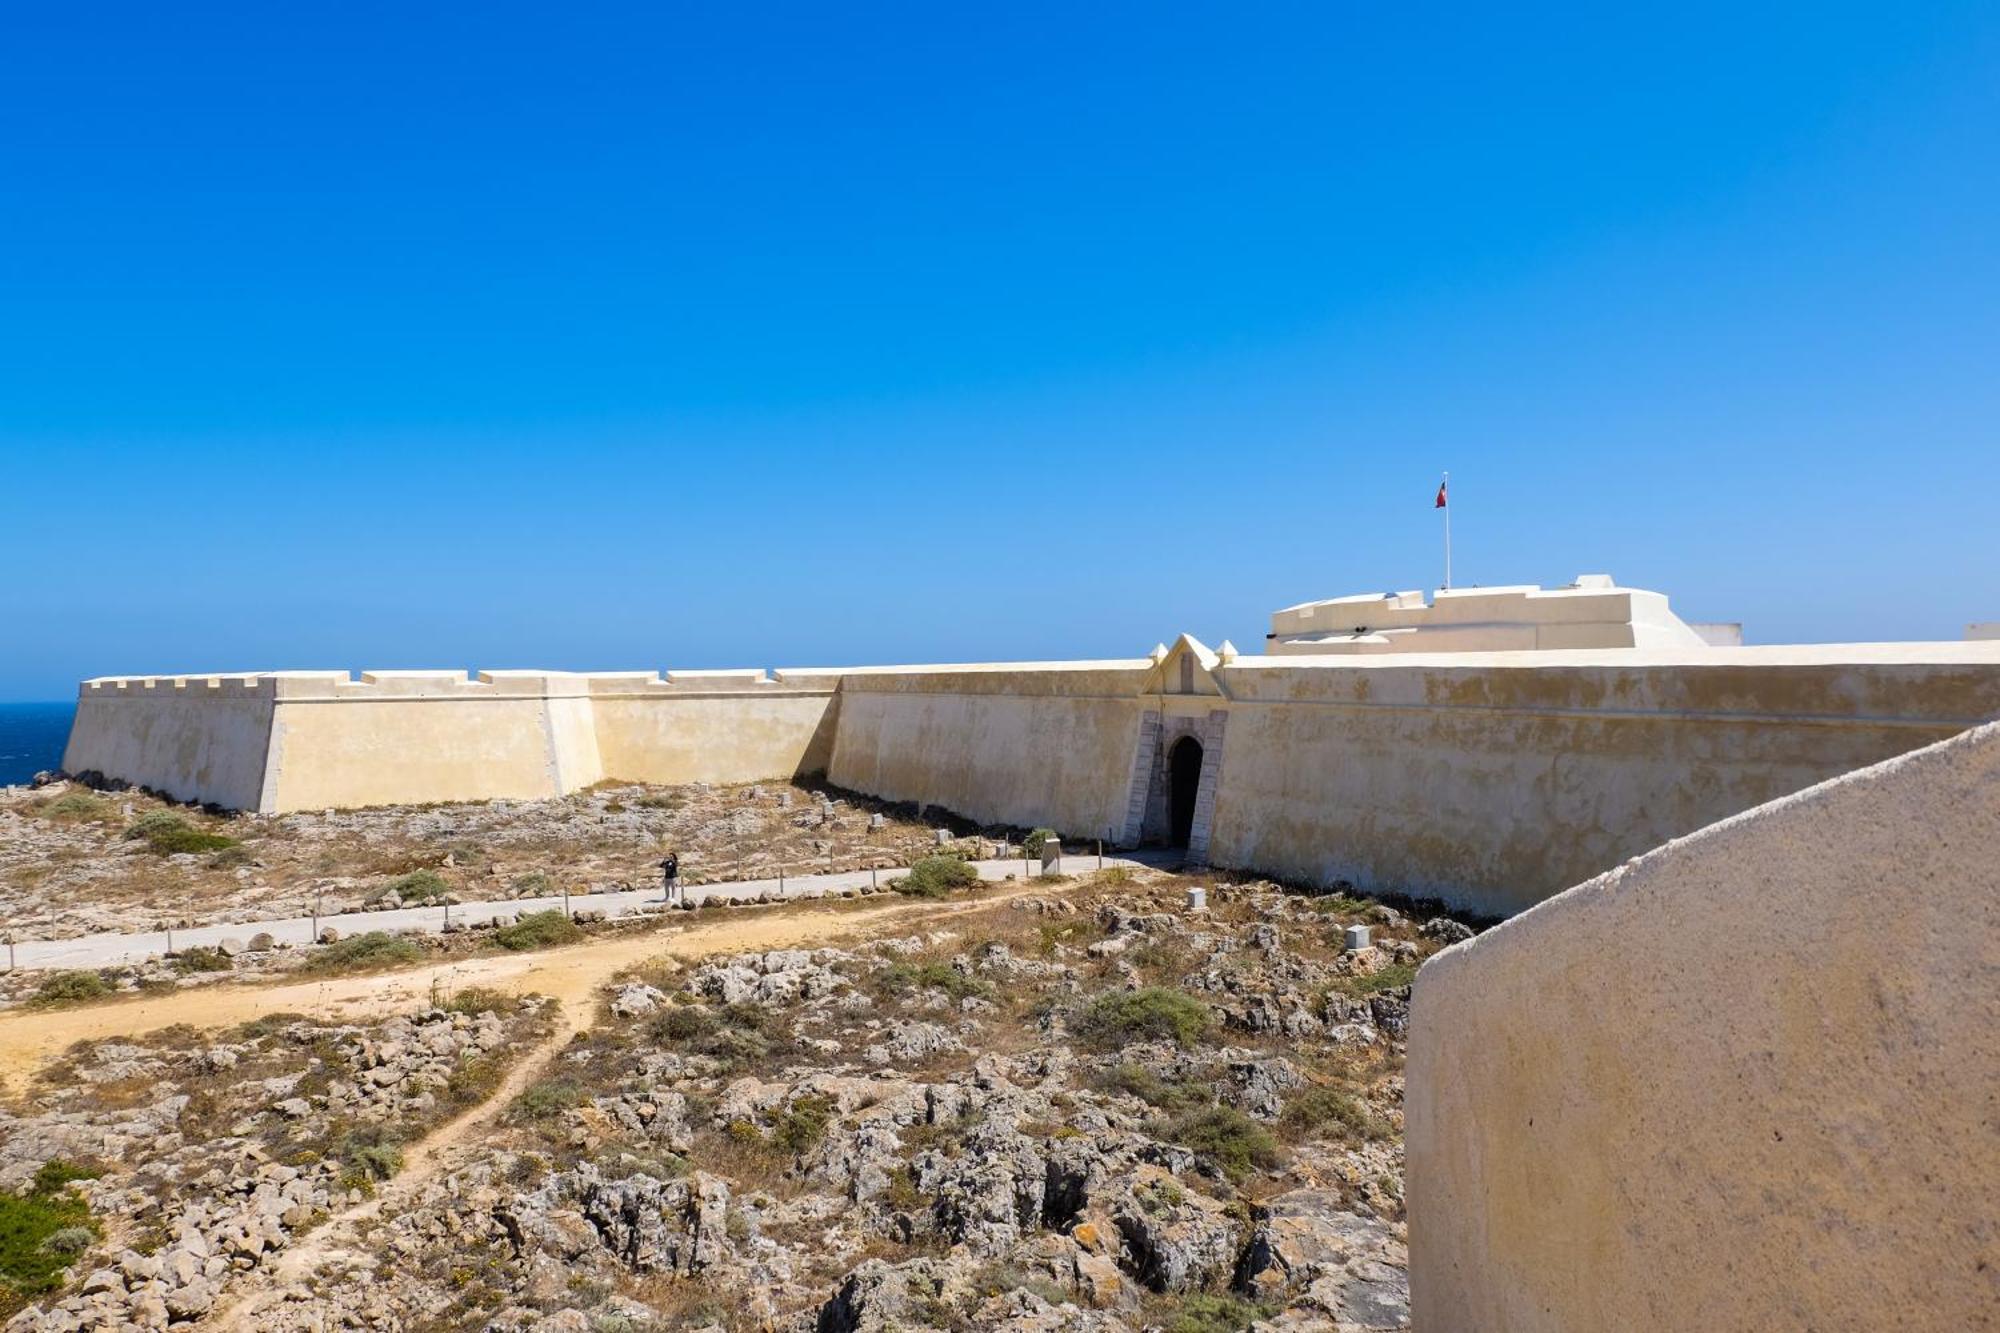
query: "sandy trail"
30, 1039
571, 975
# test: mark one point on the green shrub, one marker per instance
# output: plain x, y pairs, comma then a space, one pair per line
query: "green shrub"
412, 890
1152, 1013
32, 1258
474, 1081
802, 1124
69, 1242
1033, 843
1338, 904
935, 877
1223, 1134
188, 840
358, 953
1148, 1087
152, 822
546, 1099
80, 807
538, 930
1203, 1312
1320, 1110
166, 833
1393, 977
72, 988
369, 1153
58, 1172
902, 978
202, 959
534, 884
682, 1023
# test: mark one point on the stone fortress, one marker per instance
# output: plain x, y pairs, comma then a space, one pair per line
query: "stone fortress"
1490, 747
1740, 1076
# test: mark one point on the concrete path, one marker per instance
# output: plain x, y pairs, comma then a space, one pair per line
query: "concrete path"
108, 950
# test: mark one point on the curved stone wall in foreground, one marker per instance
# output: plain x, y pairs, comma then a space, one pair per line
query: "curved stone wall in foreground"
1750, 1080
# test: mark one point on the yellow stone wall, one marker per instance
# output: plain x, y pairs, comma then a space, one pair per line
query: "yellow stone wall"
1490, 780
1744, 1082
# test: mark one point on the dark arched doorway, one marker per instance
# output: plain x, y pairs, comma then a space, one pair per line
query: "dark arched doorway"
1183, 781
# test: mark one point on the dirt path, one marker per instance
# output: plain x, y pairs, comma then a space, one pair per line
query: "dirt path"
30, 1039
572, 976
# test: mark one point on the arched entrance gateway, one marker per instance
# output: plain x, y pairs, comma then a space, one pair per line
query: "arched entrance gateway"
1183, 784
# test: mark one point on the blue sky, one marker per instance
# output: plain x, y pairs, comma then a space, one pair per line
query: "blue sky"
669, 336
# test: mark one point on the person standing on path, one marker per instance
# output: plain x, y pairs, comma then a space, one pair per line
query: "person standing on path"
670, 876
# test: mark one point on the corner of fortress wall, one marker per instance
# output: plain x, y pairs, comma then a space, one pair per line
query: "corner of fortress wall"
1488, 780
288, 741
1743, 1081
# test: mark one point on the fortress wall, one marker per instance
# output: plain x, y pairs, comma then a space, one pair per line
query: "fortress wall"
1489, 780
1744, 1081
1036, 744
410, 737
1495, 785
197, 738
713, 727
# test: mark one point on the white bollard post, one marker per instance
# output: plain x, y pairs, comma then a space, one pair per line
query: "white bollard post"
1197, 899
1357, 938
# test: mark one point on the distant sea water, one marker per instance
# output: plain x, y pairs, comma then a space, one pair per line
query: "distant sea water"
32, 737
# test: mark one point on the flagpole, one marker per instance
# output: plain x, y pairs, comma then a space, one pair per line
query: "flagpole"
1444, 489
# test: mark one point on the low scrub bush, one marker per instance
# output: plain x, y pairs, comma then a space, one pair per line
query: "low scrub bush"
58, 1172
935, 877
1152, 1013
1329, 1110
802, 1124
1227, 1137
474, 1081
368, 1154
1393, 977
1032, 844
1338, 904
902, 978
72, 988
76, 807
1166, 1094
412, 890
538, 930
202, 959
545, 1099
166, 833
377, 948
1208, 1312
41, 1232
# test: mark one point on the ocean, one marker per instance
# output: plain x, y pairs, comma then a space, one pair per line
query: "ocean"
32, 738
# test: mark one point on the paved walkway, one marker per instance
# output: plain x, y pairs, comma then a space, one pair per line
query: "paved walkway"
111, 949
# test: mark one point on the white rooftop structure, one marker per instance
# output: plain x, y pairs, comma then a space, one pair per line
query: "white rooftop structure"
1592, 612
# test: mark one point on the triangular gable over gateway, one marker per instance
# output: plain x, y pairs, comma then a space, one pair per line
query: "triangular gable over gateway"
1188, 668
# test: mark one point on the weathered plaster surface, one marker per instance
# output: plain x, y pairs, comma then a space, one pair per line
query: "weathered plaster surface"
1048, 746
1746, 1081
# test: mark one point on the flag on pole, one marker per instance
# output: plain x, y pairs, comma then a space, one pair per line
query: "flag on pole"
1440, 499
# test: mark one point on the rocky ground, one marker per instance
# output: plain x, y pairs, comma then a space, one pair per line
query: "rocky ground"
140, 1179
75, 861
1091, 1110
1071, 1106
